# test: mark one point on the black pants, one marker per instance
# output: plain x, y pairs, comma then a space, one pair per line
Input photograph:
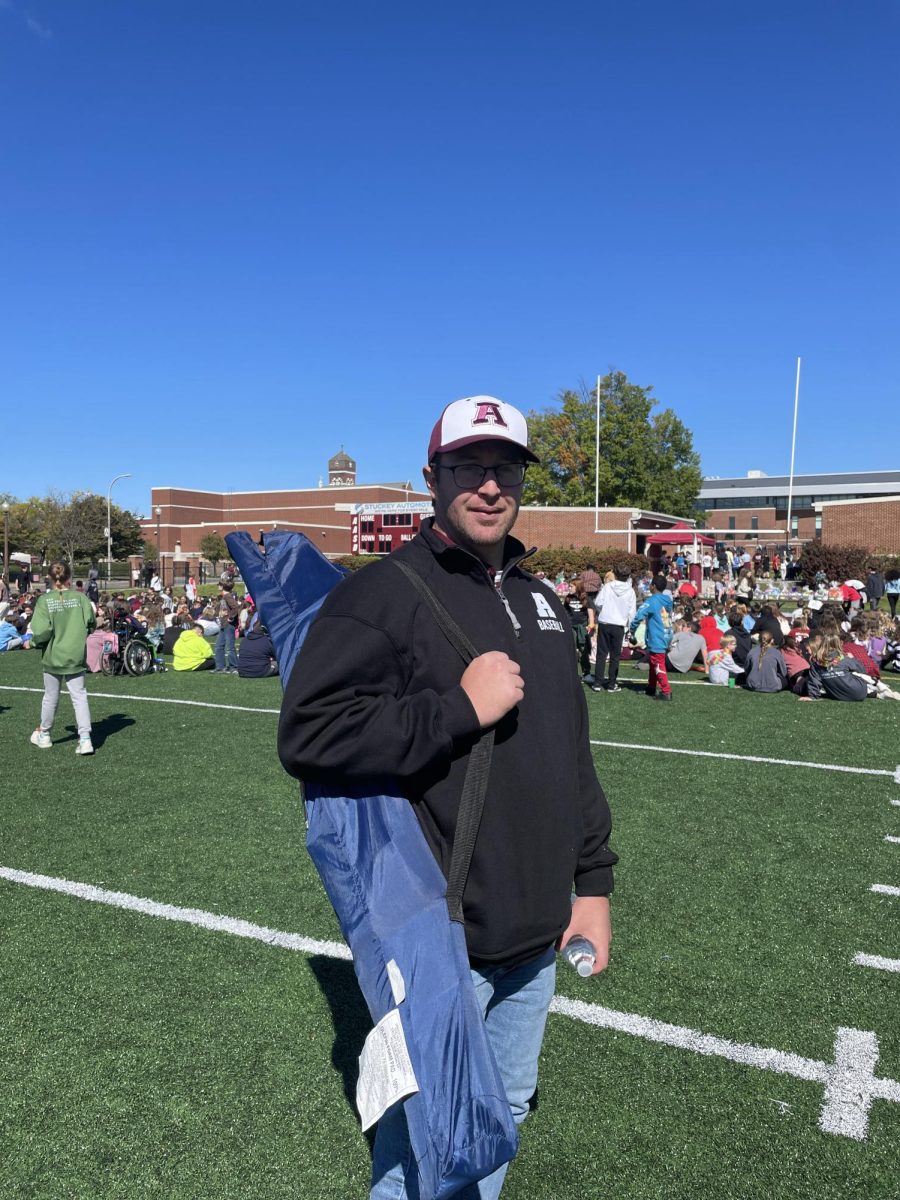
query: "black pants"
609, 645
892, 598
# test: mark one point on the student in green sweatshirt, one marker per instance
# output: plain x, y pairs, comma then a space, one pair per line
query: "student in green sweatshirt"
63, 618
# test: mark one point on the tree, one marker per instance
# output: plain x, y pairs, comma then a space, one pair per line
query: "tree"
647, 459
77, 526
213, 548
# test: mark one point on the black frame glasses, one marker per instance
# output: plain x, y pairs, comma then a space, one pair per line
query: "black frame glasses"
473, 475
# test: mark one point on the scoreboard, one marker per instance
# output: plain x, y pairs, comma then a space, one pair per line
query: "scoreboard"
382, 528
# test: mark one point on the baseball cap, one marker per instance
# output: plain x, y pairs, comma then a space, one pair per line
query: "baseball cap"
479, 419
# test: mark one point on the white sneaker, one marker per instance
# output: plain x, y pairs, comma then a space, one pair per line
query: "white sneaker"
85, 746
42, 739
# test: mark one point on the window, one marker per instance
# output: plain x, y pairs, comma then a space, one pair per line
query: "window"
795, 526
754, 525
730, 536
818, 524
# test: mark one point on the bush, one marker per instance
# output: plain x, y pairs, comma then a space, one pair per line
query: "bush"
835, 562
553, 559
353, 562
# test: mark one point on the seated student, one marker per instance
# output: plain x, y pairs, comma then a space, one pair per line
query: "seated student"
890, 659
751, 616
766, 671
767, 621
257, 659
721, 661
721, 617
10, 638
840, 677
686, 648
797, 665
743, 640
709, 631
192, 651
208, 622
854, 643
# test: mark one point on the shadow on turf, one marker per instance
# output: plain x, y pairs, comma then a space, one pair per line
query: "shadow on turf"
102, 729
351, 1020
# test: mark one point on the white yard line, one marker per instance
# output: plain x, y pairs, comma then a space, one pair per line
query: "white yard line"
151, 699
783, 762
172, 912
849, 1080
885, 889
876, 961
894, 840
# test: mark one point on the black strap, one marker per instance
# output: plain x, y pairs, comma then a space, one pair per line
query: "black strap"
471, 803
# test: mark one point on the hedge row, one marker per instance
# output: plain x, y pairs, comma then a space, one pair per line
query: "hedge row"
841, 562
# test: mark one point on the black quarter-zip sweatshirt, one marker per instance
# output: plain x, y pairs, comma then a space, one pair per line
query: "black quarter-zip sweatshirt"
374, 697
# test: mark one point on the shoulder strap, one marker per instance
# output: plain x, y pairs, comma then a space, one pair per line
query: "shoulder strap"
471, 803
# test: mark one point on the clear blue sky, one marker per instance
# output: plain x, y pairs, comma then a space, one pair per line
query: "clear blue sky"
234, 236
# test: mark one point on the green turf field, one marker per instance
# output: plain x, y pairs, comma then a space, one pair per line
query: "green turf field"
146, 1058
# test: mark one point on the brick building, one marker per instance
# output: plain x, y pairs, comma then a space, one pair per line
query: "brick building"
745, 507
345, 517
874, 524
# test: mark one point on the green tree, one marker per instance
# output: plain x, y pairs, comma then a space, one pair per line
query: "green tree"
647, 458
213, 548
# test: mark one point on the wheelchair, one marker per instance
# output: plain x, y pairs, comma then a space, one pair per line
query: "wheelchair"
134, 656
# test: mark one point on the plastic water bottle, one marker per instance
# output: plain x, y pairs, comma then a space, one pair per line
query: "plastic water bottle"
580, 954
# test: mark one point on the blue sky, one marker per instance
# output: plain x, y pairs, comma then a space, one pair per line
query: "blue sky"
235, 236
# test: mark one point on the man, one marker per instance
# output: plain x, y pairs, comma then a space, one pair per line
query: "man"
874, 585
192, 651
378, 694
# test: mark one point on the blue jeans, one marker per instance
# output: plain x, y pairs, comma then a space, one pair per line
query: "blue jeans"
515, 1001
225, 649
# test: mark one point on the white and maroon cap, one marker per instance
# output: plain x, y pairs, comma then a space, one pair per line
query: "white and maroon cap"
479, 419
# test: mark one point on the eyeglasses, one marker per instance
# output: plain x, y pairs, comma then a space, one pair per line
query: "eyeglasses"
473, 475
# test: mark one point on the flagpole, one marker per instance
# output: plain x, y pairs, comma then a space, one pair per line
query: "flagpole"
597, 461
793, 448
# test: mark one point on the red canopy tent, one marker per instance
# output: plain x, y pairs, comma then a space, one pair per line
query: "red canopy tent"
679, 535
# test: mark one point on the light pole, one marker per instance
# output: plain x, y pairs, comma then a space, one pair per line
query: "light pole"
127, 475
158, 547
6, 543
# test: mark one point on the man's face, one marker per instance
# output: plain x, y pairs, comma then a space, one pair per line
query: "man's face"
479, 517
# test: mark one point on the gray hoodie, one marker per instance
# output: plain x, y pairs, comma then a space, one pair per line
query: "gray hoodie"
616, 604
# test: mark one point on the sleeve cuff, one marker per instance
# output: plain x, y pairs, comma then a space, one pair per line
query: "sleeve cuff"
598, 881
459, 716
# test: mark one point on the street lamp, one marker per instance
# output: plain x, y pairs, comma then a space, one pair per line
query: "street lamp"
127, 475
6, 543
158, 511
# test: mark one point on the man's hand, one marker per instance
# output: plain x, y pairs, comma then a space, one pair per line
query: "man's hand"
590, 918
494, 685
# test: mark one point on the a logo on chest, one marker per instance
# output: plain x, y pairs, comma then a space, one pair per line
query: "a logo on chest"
547, 618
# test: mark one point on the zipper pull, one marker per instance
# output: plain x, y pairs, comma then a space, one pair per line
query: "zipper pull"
509, 612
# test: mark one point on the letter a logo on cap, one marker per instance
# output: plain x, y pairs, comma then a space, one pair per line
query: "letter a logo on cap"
488, 413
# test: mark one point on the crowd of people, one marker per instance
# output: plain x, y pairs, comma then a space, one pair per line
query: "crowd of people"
835, 643
73, 627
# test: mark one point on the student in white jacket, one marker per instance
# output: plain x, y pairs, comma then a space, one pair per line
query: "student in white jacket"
616, 606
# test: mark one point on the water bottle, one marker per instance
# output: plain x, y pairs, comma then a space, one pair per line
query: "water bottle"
580, 954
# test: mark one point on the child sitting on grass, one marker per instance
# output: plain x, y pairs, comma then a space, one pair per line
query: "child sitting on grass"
721, 662
837, 676
766, 671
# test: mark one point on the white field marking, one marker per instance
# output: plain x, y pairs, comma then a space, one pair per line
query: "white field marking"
783, 762
876, 961
895, 840
153, 700
896, 803
172, 912
779, 762
619, 745
849, 1081
885, 889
